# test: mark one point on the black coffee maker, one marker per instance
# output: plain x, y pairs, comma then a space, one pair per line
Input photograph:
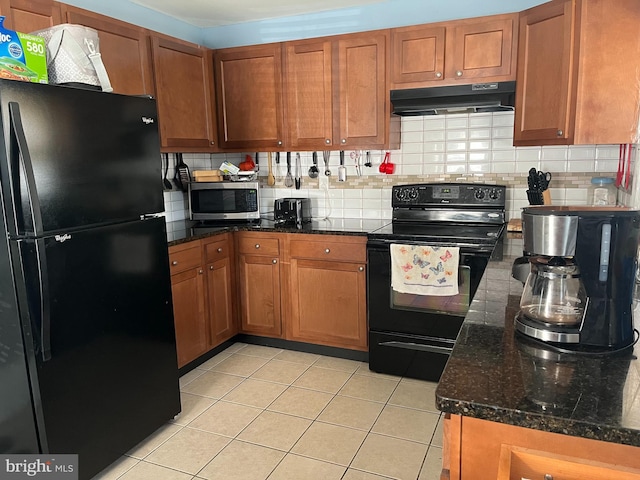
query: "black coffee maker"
579, 292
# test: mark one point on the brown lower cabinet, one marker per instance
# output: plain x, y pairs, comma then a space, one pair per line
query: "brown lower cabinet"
302, 287
327, 290
479, 449
202, 288
259, 283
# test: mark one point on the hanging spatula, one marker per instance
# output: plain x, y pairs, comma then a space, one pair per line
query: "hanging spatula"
182, 176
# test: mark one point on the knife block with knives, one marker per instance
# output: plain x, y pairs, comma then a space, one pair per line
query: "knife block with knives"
538, 183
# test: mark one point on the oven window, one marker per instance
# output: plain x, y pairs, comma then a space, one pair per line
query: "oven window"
450, 304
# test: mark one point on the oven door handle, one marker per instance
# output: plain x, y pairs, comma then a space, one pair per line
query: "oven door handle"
417, 346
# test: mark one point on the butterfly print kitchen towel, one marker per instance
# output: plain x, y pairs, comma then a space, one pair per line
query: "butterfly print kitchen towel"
424, 269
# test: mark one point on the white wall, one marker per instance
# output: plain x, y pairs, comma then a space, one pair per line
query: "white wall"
462, 147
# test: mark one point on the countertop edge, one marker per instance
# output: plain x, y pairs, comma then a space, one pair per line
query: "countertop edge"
545, 423
272, 229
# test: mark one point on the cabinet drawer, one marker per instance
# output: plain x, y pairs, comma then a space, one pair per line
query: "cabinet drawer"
184, 259
216, 250
328, 250
259, 246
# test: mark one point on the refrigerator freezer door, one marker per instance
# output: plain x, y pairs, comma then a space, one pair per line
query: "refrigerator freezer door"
95, 156
112, 376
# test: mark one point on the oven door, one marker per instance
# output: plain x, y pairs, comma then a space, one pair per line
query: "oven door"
422, 315
224, 201
413, 335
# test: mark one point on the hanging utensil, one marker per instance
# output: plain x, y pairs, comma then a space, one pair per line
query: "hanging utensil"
271, 180
342, 171
620, 173
356, 157
182, 176
326, 155
288, 180
367, 162
627, 178
313, 169
165, 180
298, 171
278, 173
257, 167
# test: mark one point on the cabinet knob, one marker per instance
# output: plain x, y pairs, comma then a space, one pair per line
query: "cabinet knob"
210, 267
257, 245
560, 133
219, 250
274, 261
344, 140
326, 250
200, 271
438, 74
459, 73
361, 269
175, 262
548, 476
279, 142
212, 142
327, 141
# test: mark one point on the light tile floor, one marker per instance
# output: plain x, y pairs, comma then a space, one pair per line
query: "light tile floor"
256, 413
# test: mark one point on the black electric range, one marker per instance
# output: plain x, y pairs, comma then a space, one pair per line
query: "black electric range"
411, 334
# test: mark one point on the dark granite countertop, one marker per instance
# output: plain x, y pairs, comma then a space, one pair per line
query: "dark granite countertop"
495, 374
186, 230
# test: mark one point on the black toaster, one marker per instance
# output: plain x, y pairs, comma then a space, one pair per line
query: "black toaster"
293, 211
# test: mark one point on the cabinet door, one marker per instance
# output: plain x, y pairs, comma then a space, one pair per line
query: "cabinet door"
260, 295
328, 303
417, 56
309, 95
30, 15
249, 92
189, 314
124, 48
219, 294
183, 85
479, 51
546, 77
363, 106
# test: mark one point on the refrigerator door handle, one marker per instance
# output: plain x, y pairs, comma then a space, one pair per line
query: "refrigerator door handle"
23, 150
45, 310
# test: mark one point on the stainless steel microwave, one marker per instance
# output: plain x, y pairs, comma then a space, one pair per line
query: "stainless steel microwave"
224, 200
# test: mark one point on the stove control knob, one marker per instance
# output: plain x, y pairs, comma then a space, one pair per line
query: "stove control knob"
400, 194
494, 194
479, 194
413, 194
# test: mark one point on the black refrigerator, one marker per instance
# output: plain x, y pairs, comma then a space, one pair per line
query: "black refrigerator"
87, 342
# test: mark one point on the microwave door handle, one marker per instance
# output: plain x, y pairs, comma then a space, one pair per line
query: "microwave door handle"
23, 154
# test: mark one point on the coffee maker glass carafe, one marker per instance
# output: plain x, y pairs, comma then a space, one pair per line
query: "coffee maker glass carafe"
553, 292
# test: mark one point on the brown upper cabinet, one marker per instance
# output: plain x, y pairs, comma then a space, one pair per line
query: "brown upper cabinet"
308, 72
362, 107
249, 94
336, 92
30, 15
577, 81
462, 51
125, 50
184, 85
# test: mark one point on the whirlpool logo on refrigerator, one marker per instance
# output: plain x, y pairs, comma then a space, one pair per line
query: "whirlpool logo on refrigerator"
147, 120
57, 467
62, 238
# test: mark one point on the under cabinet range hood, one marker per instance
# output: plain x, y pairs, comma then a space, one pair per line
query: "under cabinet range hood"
476, 97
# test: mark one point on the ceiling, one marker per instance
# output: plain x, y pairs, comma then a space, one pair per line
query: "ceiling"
214, 13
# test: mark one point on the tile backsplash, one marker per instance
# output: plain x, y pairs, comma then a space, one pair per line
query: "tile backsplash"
475, 147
